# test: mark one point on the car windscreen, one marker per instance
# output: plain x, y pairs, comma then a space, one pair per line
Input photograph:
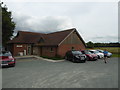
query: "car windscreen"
96, 52
87, 52
4, 53
76, 52
101, 51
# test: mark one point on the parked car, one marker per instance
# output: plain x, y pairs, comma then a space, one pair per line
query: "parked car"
99, 54
75, 56
7, 59
90, 56
108, 55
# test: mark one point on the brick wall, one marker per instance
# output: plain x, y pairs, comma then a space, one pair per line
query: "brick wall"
36, 50
19, 48
46, 51
63, 48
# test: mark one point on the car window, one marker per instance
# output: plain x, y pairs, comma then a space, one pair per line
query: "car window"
83, 52
96, 51
101, 51
91, 51
87, 52
76, 52
5, 53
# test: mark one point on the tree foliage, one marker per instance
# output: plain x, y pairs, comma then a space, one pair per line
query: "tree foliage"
8, 24
90, 44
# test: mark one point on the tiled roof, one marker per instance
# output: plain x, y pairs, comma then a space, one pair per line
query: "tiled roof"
26, 37
54, 38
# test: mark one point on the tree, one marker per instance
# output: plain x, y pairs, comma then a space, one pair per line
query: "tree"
0, 28
90, 44
8, 25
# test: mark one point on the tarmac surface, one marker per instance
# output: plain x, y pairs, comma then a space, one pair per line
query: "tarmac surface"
37, 73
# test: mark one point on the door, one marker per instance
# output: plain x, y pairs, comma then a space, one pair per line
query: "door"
40, 51
29, 49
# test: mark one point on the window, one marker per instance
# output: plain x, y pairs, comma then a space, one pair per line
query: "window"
51, 49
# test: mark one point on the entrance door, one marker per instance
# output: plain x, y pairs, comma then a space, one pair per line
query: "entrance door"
40, 51
29, 49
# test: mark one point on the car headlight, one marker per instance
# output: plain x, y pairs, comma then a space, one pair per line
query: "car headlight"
12, 60
10, 57
77, 56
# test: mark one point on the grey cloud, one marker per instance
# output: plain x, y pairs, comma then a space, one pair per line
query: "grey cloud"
107, 38
43, 24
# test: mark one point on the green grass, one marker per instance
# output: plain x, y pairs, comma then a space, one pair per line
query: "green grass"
53, 58
116, 55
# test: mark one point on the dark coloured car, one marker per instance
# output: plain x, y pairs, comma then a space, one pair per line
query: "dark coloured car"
7, 59
90, 56
75, 56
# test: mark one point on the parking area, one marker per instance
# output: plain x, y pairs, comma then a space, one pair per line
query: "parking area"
37, 73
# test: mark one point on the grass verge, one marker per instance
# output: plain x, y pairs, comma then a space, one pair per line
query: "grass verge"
116, 55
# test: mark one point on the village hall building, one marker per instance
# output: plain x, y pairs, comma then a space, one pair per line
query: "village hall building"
51, 44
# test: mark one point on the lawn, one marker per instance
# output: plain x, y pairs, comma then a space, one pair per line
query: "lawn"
116, 55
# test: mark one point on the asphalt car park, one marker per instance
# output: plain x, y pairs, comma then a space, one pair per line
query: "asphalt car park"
37, 73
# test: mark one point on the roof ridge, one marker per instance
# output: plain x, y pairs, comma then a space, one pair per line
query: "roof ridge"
62, 31
48, 33
30, 32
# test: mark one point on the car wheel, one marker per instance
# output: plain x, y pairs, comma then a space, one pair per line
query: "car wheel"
13, 65
84, 61
73, 60
98, 57
87, 58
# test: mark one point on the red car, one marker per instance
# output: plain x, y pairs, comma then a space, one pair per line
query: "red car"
7, 59
90, 56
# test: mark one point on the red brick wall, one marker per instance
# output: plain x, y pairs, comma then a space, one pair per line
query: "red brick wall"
46, 51
16, 49
63, 48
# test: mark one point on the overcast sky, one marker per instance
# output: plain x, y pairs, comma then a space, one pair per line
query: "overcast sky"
95, 21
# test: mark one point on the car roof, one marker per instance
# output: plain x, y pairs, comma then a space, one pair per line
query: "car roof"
92, 50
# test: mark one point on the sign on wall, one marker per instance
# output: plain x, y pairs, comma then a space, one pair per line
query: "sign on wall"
19, 46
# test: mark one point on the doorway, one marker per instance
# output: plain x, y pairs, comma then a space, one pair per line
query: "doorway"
29, 50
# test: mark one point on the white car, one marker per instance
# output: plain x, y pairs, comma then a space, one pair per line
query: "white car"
99, 54
108, 55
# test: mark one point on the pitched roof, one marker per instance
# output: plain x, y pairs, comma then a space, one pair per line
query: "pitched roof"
56, 37
50, 39
26, 37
